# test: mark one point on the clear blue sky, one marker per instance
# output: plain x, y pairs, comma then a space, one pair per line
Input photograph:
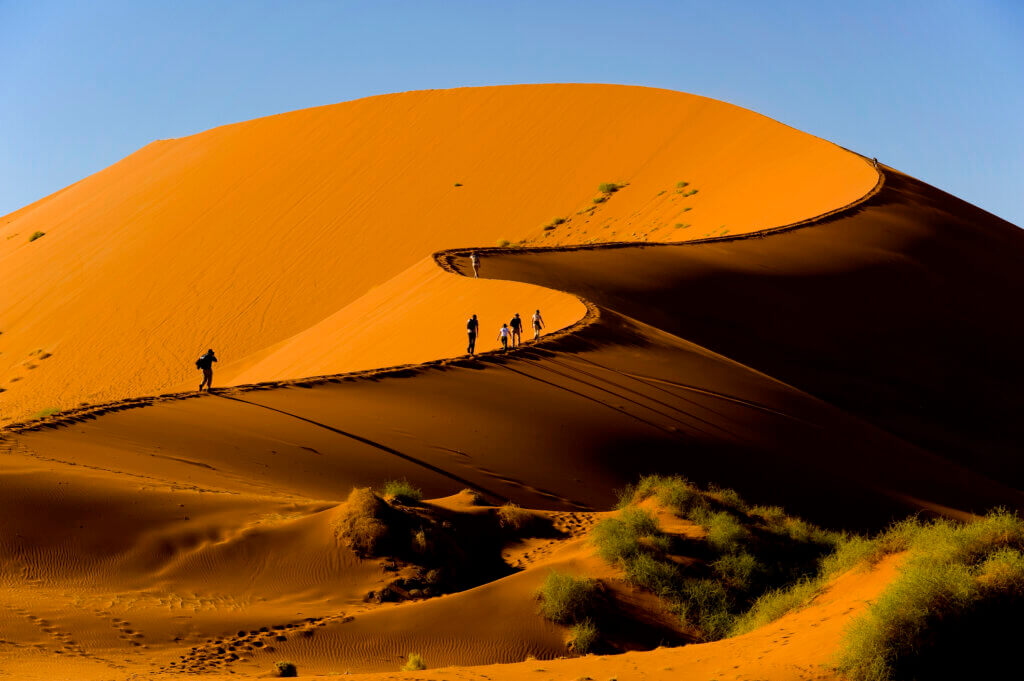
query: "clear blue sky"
931, 87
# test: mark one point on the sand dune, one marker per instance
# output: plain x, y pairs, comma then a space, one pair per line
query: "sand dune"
248, 236
843, 349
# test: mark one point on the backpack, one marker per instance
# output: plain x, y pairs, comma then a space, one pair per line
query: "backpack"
199, 363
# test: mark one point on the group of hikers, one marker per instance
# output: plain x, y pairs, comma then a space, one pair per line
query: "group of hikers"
510, 334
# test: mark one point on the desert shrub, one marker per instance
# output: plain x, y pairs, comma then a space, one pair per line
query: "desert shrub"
286, 669
619, 538
36, 235
725, 533
961, 589
414, 663
566, 599
49, 411
682, 185
600, 199
706, 605
504, 243
737, 570
360, 524
401, 491
548, 228
458, 184
557, 221
608, 187
657, 576
583, 636
514, 517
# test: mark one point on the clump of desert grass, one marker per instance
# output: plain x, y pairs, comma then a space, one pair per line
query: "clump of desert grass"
609, 187
746, 552
504, 243
401, 491
514, 517
413, 663
36, 235
574, 602
285, 669
362, 524
43, 413
960, 590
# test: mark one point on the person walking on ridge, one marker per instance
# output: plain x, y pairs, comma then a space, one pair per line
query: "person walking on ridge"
517, 331
538, 324
474, 260
206, 364
503, 337
472, 328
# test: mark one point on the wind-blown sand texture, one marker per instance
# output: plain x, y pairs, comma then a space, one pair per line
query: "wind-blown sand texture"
845, 349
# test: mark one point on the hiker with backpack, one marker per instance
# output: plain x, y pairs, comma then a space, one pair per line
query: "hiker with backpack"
472, 328
205, 363
517, 330
503, 337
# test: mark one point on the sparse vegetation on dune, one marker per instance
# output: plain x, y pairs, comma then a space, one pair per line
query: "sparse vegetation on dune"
959, 591
566, 599
504, 243
36, 235
609, 187
582, 637
414, 663
285, 669
43, 413
401, 491
514, 517
746, 551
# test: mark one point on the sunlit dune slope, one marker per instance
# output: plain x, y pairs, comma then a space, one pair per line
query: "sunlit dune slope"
248, 236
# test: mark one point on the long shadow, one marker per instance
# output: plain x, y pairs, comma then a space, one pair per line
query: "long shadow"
370, 443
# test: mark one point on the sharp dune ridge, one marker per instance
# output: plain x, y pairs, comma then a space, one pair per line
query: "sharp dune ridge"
199, 535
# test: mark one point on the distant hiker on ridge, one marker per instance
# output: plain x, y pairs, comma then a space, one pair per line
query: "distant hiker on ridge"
517, 330
206, 364
503, 337
474, 260
472, 328
538, 324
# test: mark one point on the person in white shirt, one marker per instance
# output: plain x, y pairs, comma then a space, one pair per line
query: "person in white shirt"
474, 260
538, 324
503, 337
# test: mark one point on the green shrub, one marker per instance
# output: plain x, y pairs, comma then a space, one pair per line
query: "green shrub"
36, 235
566, 599
414, 663
619, 538
401, 491
737, 570
961, 587
514, 517
706, 605
682, 185
49, 411
458, 184
286, 669
600, 199
657, 576
583, 636
608, 187
504, 243
725, 533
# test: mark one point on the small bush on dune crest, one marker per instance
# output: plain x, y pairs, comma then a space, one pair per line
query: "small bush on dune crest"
608, 187
401, 491
36, 235
582, 637
360, 524
414, 663
504, 243
514, 517
286, 669
565, 599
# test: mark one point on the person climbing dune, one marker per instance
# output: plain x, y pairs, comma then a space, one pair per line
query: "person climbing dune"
503, 337
538, 324
474, 260
517, 330
206, 364
472, 328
